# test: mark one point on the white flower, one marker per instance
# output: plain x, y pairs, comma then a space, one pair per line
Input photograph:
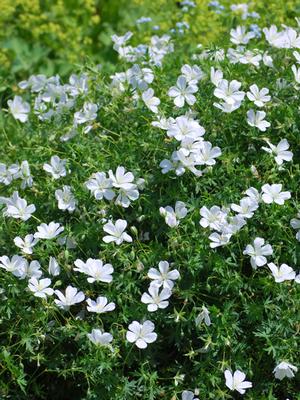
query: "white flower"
240, 36
120, 41
163, 276
295, 223
13, 265
259, 97
229, 92
207, 154
24, 174
141, 334
56, 167
19, 108
213, 217
156, 300
29, 270
273, 194
257, 252
100, 186
296, 72
16, 207
203, 316
237, 381
116, 232
71, 297
151, 101
140, 77
87, 114
215, 76
7, 174
226, 107
173, 217
184, 127
26, 244
246, 208
100, 306
280, 151
40, 288
100, 338
285, 369
95, 269
188, 395
256, 119
123, 181
296, 54
282, 273
183, 92
218, 239
192, 74
53, 267
49, 231
65, 198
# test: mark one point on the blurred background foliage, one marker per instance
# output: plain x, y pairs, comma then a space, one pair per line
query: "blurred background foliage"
55, 36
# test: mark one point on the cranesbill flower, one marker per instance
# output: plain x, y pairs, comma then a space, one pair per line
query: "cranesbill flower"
192, 74
141, 334
282, 273
95, 269
56, 167
207, 154
156, 300
173, 217
285, 370
7, 174
100, 338
40, 288
215, 76
53, 267
259, 97
24, 174
203, 316
185, 127
273, 194
246, 207
66, 199
16, 207
280, 151
229, 92
87, 114
100, 306
219, 239
296, 72
26, 244
19, 108
256, 119
188, 395
12, 265
150, 100
237, 381
123, 181
29, 270
295, 223
116, 232
163, 276
240, 36
212, 218
72, 296
257, 252
49, 231
183, 92
100, 186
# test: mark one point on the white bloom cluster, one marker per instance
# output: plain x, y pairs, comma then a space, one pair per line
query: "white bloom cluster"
16, 171
119, 185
